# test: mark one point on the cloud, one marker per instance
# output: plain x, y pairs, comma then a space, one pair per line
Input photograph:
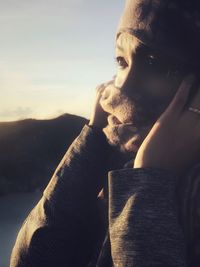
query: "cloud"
13, 79
19, 112
24, 8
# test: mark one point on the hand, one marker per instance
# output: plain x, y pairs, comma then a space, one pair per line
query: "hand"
99, 116
174, 141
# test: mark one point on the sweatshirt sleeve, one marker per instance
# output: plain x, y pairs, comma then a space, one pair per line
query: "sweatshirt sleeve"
62, 228
143, 219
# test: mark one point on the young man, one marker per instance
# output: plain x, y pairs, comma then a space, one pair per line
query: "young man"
150, 112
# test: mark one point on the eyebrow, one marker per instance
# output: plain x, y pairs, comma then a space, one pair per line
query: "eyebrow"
139, 46
143, 47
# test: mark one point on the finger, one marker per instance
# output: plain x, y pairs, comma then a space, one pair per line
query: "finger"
100, 88
111, 82
112, 120
126, 131
114, 77
195, 102
132, 145
182, 94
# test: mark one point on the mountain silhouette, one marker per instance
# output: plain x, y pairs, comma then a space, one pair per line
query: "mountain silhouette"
31, 150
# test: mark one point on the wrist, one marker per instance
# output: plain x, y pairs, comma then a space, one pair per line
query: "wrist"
96, 124
95, 127
98, 131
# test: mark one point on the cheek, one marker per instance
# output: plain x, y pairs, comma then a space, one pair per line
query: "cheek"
121, 77
163, 90
156, 96
156, 88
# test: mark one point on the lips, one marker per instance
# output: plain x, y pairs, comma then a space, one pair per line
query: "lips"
126, 134
113, 121
134, 143
139, 125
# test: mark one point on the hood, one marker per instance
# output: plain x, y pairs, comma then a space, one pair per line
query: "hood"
173, 27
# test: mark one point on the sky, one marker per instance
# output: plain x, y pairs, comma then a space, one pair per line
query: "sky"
53, 54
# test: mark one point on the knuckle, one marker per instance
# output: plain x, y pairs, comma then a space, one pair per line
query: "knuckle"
100, 88
180, 99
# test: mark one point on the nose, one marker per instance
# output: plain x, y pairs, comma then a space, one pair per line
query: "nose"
128, 84
106, 93
107, 88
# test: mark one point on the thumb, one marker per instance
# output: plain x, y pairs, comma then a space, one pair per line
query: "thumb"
181, 96
100, 88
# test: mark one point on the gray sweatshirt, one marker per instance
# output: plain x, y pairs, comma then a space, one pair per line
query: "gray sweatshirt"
65, 229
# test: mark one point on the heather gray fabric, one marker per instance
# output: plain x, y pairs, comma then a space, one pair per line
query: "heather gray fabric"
64, 228
143, 221
172, 26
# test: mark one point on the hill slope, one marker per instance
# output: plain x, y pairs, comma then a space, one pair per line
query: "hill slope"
31, 149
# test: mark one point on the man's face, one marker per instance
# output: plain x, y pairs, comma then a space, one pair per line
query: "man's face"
145, 83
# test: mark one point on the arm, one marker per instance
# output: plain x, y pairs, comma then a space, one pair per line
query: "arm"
143, 223
143, 213
63, 227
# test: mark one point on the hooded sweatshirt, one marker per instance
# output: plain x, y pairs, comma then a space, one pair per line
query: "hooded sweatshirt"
65, 229
145, 224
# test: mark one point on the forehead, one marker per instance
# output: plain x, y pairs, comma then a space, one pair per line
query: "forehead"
127, 43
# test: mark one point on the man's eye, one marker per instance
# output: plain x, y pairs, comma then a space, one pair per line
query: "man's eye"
121, 62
